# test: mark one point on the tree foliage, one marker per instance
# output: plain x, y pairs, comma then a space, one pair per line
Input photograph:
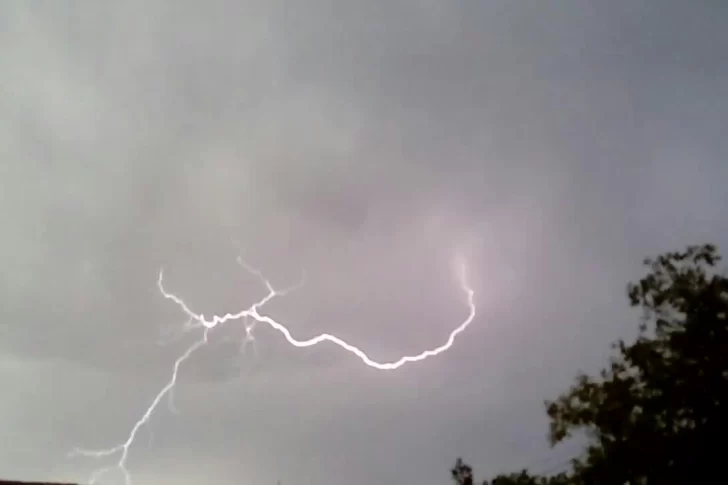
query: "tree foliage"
657, 414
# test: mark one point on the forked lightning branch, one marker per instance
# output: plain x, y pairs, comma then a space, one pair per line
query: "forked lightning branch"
120, 452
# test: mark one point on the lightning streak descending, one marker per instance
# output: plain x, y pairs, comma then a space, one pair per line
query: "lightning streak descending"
252, 312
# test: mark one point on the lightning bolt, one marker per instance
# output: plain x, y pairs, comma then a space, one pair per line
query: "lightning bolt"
199, 321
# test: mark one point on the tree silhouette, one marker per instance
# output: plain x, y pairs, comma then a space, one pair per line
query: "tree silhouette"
462, 473
658, 413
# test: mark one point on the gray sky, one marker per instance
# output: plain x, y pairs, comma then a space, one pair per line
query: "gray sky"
554, 144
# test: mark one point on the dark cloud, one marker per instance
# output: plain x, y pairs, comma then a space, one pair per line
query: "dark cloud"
365, 143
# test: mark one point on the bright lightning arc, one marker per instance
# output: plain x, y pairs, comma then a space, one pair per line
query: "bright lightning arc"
207, 324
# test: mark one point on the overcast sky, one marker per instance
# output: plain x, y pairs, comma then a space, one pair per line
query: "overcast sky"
368, 143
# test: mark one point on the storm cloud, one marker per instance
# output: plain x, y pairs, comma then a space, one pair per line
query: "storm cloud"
365, 144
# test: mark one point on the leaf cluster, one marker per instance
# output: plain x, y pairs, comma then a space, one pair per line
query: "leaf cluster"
658, 413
